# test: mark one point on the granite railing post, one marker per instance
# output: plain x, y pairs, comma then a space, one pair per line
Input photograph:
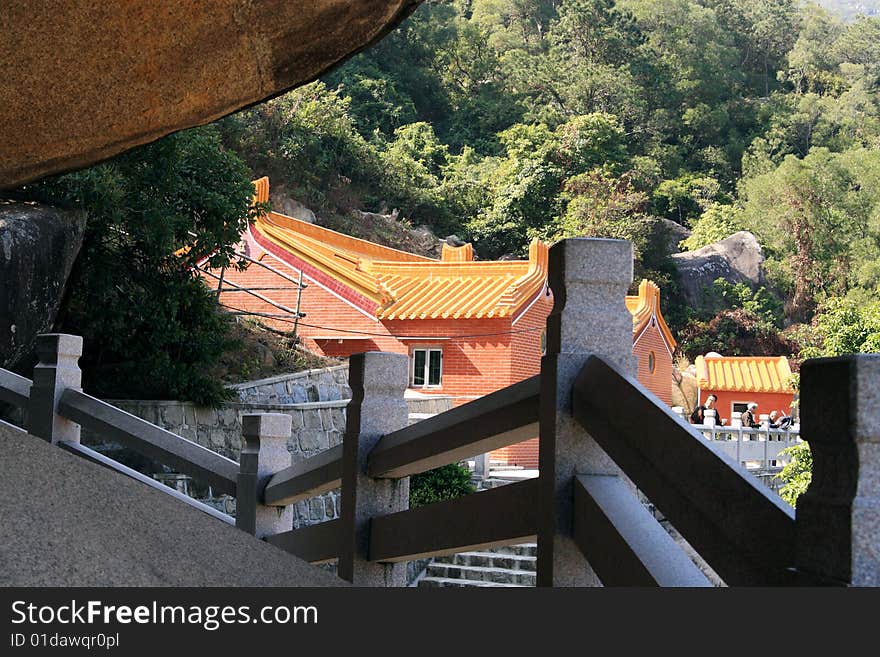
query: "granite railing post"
263, 454
589, 279
838, 517
378, 381
709, 418
56, 371
764, 434
481, 465
679, 411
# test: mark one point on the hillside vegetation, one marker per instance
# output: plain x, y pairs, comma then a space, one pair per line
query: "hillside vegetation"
500, 121
504, 120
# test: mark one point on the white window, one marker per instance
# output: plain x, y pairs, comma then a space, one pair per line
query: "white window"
427, 365
739, 407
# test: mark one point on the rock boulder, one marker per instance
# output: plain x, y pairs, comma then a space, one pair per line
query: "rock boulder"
83, 83
293, 208
669, 234
736, 259
38, 245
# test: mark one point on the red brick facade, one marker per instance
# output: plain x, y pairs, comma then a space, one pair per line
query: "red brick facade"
650, 349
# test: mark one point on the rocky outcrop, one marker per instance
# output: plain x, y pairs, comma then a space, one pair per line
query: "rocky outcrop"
38, 245
669, 234
736, 259
293, 208
389, 230
83, 84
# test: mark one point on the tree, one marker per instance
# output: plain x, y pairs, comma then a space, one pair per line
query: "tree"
684, 198
845, 326
808, 213
151, 327
307, 142
797, 473
602, 205
736, 332
716, 223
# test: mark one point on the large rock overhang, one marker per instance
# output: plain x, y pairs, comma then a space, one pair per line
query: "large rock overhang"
88, 79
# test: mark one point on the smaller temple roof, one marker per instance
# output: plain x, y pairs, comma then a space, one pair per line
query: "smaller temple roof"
646, 305
744, 373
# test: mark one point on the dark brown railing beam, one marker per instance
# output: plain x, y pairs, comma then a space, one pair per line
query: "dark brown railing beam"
14, 389
501, 516
742, 529
623, 542
505, 417
305, 479
168, 448
315, 543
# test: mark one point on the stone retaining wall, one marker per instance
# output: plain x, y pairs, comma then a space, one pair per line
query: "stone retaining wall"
322, 384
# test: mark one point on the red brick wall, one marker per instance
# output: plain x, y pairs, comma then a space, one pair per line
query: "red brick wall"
526, 362
766, 402
660, 380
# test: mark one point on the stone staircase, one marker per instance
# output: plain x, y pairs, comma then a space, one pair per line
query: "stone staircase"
508, 566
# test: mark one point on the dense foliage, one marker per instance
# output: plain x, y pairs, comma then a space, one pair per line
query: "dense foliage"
797, 473
447, 482
502, 121
151, 327
505, 120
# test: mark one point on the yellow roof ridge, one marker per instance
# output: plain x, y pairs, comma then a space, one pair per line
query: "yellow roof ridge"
533, 280
646, 304
463, 253
405, 285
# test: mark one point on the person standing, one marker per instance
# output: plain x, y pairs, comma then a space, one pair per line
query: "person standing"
748, 418
699, 416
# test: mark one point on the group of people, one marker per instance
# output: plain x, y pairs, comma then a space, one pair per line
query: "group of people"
778, 419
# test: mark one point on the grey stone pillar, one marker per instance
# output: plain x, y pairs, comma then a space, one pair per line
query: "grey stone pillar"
481, 465
709, 417
263, 454
589, 279
377, 407
838, 517
56, 371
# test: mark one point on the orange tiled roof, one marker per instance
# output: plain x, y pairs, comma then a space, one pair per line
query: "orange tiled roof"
405, 285
744, 373
646, 305
458, 288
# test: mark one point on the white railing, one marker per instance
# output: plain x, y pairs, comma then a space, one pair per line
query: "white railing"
760, 447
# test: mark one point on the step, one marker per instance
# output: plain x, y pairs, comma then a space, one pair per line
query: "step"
438, 582
481, 574
491, 560
524, 549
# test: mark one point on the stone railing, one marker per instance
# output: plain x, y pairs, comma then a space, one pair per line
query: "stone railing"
605, 442
762, 447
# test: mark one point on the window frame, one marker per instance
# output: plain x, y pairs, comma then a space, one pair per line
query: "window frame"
734, 404
427, 367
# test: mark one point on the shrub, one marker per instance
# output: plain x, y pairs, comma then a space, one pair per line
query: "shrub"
797, 473
444, 483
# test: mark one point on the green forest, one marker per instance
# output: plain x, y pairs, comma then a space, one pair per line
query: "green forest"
504, 120
499, 121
